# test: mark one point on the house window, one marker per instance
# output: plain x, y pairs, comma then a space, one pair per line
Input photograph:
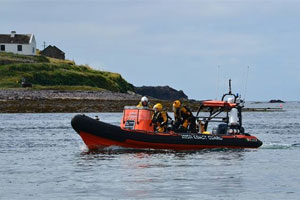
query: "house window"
33, 50
19, 47
2, 48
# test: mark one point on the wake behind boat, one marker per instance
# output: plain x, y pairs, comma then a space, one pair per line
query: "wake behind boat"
136, 129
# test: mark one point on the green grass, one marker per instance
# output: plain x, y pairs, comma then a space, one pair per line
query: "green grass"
10, 58
51, 73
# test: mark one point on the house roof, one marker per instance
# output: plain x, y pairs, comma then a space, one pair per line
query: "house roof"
53, 48
17, 39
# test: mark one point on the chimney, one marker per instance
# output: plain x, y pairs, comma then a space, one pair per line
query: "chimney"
12, 34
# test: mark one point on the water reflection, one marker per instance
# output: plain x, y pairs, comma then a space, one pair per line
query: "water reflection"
144, 173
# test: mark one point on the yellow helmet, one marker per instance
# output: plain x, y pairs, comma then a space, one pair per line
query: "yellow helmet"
176, 104
158, 107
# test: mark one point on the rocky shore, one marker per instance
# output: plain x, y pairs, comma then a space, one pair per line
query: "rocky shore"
61, 101
47, 101
29, 94
43, 101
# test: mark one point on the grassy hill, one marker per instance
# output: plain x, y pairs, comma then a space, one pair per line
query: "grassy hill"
49, 73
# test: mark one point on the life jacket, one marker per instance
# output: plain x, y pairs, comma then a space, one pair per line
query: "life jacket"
183, 113
160, 117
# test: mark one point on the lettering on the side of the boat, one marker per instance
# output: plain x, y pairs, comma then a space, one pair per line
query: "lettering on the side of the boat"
213, 137
201, 137
186, 136
132, 115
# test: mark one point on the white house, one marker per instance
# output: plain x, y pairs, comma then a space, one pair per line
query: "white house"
18, 43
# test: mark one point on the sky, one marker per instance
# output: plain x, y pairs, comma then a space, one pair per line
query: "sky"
191, 45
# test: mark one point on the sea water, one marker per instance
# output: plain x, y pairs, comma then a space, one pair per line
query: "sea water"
42, 157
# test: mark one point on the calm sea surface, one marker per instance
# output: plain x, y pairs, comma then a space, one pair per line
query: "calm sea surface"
41, 157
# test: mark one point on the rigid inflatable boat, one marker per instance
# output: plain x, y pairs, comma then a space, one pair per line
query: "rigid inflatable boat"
137, 131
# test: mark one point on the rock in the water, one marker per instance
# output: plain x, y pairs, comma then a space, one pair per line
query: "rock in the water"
276, 101
161, 92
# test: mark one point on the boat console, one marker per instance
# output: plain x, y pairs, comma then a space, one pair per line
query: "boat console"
137, 119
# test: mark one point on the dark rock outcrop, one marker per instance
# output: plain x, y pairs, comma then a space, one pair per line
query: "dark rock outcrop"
161, 92
276, 101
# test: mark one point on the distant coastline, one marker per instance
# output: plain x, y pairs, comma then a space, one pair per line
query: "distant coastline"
50, 101
40, 84
74, 101
55, 85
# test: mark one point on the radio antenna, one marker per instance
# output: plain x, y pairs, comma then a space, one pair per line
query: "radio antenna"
229, 86
217, 89
247, 73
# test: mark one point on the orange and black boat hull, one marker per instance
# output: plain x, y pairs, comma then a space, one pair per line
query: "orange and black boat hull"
98, 134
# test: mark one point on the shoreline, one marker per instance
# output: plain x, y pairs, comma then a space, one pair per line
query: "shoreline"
31, 94
60, 101
55, 101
